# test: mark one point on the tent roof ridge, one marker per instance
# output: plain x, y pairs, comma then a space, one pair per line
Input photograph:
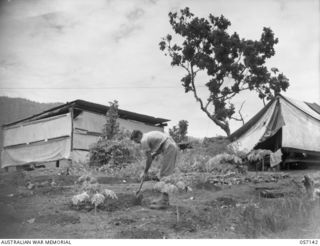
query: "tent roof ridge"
300, 109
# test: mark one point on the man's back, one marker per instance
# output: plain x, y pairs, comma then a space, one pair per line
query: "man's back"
151, 141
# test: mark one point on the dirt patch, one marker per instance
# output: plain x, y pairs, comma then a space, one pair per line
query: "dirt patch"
60, 180
281, 190
184, 226
12, 179
122, 221
55, 190
208, 186
60, 219
124, 201
136, 233
188, 220
222, 201
8, 214
114, 180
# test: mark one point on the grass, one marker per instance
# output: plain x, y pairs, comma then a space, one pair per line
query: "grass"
273, 216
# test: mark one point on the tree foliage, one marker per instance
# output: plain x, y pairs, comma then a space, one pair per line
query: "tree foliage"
111, 128
231, 64
179, 132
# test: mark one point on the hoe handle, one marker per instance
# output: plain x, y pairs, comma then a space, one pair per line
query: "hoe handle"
140, 187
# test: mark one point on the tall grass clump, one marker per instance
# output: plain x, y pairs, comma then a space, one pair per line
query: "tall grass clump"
274, 216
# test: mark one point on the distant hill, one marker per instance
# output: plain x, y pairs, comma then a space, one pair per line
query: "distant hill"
14, 109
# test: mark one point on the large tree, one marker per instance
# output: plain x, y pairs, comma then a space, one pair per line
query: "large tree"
231, 64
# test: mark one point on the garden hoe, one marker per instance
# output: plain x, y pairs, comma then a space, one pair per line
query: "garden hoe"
139, 196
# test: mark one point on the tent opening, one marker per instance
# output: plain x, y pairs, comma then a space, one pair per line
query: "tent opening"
273, 143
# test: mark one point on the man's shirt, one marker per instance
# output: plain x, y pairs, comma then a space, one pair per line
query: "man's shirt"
151, 141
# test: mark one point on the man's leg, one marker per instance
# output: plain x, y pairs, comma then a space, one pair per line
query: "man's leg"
167, 167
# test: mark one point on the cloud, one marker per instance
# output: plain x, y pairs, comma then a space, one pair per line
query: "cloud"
124, 31
109, 44
135, 14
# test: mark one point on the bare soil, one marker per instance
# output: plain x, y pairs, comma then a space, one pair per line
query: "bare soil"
208, 211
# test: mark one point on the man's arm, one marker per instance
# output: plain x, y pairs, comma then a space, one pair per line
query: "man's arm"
158, 151
148, 162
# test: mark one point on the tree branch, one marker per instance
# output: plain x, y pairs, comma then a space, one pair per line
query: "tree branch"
223, 125
239, 112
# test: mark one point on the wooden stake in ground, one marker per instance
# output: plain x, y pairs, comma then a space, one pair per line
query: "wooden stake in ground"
309, 185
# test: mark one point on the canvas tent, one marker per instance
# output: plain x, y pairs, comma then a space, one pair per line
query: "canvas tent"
286, 124
65, 132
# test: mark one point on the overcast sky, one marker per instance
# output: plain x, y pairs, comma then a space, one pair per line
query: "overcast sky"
101, 50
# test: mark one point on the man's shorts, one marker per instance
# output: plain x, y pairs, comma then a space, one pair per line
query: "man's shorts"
169, 158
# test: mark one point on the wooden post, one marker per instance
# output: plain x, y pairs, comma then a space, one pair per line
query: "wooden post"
71, 110
71, 137
262, 164
57, 164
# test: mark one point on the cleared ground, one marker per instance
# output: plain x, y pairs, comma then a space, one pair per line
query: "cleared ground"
262, 207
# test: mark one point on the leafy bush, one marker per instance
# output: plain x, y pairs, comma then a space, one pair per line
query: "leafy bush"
114, 150
113, 153
224, 163
192, 161
196, 159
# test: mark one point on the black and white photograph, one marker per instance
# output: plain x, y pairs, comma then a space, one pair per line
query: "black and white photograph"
159, 119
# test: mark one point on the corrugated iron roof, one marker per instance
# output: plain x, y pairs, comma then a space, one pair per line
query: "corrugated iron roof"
92, 107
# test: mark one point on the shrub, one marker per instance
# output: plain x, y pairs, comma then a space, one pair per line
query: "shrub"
113, 153
224, 163
215, 145
192, 161
197, 159
114, 150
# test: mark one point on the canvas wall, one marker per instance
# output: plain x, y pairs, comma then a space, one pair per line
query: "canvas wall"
301, 129
38, 141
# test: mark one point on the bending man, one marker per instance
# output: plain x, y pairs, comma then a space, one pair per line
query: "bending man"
155, 143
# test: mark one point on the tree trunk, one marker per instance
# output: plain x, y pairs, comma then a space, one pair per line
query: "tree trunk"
225, 127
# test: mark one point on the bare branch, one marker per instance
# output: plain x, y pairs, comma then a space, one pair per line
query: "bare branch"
223, 124
209, 101
239, 112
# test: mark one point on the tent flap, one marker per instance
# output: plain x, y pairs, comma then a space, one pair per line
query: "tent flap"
249, 138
